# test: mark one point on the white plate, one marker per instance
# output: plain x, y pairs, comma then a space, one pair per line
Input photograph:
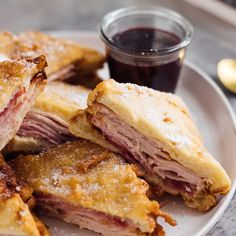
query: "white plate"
214, 118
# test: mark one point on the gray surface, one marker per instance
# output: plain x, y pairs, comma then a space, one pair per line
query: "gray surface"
213, 40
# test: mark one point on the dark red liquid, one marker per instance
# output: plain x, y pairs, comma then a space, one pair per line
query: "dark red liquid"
160, 75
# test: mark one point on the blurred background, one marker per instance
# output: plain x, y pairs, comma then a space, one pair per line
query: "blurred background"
230, 2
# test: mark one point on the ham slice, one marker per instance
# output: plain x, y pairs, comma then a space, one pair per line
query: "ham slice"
12, 115
46, 127
147, 153
97, 221
85, 184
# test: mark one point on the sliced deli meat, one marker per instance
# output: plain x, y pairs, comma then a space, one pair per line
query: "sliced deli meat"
20, 82
155, 131
46, 124
85, 184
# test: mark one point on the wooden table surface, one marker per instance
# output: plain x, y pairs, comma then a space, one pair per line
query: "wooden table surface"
213, 40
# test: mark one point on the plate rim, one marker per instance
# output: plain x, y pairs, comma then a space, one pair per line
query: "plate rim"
215, 218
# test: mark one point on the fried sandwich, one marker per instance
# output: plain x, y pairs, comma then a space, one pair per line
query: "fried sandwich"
7, 46
155, 131
15, 216
65, 58
20, 82
85, 184
46, 124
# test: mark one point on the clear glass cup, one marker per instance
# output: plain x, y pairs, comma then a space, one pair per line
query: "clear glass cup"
146, 45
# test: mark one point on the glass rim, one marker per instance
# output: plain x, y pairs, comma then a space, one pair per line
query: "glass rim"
158, 11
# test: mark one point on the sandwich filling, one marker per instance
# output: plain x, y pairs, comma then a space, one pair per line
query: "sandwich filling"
45, 127
19, 104
87, 185
64, 73
97, 221
158, 166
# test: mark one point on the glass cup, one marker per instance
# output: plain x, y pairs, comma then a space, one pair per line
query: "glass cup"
146, 45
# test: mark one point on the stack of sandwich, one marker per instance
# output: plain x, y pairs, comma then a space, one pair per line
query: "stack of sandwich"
95, 158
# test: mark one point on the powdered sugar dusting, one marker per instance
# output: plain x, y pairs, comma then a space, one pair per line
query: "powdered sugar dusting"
3, 57
2, 175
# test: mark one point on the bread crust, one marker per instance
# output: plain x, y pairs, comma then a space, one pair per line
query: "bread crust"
80, 126
62, 100
86, 175
18, 74
164, 117
19, 145
15, 216
65, 58
58, 52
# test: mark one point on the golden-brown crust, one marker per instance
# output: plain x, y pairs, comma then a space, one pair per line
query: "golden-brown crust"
58, 100
59, 52
84, 174
19, 145
146, 110
92, 60
20, 82
18, 74
15, 217
81, 127
42, 228
62, 100
8, 181
202, 201
9, 185
7, 46
26, 192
